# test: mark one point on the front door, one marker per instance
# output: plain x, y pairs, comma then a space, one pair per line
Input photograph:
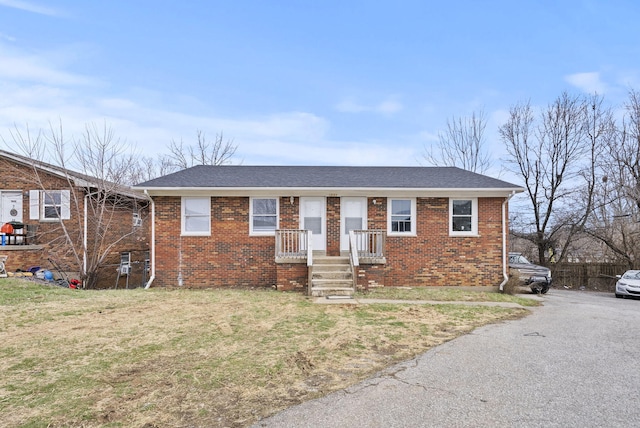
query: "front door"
313, 217
11, 210
353, 216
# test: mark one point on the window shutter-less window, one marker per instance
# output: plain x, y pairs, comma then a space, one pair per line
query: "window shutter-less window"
34, 204
65, 204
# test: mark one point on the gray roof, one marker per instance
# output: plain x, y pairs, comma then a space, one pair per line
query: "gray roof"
378, 177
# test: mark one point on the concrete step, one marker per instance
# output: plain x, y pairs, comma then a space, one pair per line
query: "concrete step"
328, 283
331, 274
338, 260
331, 268
333, 291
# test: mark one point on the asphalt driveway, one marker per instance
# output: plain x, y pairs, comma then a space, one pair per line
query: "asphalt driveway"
575, 362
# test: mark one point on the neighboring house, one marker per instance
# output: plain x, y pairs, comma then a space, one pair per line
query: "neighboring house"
249, 226
51, 210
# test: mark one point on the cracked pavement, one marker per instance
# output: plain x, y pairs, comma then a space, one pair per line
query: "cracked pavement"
571, 363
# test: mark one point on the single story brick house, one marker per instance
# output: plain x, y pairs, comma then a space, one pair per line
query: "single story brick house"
66, 221
281, 226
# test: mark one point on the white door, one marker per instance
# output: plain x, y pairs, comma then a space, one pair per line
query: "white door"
11, 207
313, 217
353, 216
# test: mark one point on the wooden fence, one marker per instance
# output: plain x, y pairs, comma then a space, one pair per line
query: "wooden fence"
593, 276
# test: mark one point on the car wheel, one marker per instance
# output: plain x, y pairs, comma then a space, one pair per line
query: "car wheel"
535, 290
619, 296
544, 289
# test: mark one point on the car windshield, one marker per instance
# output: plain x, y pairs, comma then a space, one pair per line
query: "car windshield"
519, 259
632, 274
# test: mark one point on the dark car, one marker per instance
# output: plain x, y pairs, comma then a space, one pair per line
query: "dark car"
538, 278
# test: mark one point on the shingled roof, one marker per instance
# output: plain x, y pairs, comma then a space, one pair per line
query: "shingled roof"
78, 179
325, 177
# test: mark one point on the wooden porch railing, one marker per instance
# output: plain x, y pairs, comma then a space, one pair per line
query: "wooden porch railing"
296, 244
354, 260
370, 243
293, 244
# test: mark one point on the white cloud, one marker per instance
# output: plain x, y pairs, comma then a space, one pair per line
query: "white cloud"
427, 136
388, 106
272, 152
587, 82
29, 7
349, 105
36, 68
39, 92
7, 37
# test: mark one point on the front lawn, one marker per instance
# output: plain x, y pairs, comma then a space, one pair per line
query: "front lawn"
144, 358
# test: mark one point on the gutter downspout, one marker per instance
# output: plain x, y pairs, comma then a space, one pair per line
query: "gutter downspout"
152, 256
505, 231
84, 238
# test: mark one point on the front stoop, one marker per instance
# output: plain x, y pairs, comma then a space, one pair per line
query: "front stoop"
331, 276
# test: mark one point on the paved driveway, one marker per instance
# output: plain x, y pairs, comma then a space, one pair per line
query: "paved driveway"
575, 362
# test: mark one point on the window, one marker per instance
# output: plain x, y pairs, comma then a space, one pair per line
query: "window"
52, 203
402, 217
264, 216
196, 216
463, 216
49, 205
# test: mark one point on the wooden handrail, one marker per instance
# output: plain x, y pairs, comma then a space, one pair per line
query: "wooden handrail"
292, 243
370, 243
354, 260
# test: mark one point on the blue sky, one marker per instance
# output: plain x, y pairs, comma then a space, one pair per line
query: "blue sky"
305, 82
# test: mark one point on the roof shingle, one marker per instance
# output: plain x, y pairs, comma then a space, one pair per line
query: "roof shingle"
244, 176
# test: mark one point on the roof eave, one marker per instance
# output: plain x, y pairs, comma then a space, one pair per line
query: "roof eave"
328, 191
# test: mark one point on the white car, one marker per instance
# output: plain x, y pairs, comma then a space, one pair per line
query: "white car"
628, 284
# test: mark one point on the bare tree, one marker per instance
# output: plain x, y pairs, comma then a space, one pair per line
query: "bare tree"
148, 168
615, 220
462, 144
552, 156
92, 169
204, 152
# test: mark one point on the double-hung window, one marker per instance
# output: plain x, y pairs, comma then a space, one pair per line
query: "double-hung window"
49, 205
196, 216
264, 216
402, 216
463, 216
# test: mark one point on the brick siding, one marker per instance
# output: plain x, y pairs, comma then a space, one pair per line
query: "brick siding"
230, 257
50, 241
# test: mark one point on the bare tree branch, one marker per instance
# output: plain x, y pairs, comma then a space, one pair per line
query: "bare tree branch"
204, 152
462, 144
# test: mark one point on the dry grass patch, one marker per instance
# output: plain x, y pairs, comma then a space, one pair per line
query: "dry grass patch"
197, 358
452, 294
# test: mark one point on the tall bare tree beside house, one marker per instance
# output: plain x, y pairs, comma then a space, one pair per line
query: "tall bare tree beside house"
92, 169
462, 144
615, 220
555, 157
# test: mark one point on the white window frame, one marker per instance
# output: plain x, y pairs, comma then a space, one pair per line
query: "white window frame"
183, 216
474, 218
37, 205
253, 232
390, 231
